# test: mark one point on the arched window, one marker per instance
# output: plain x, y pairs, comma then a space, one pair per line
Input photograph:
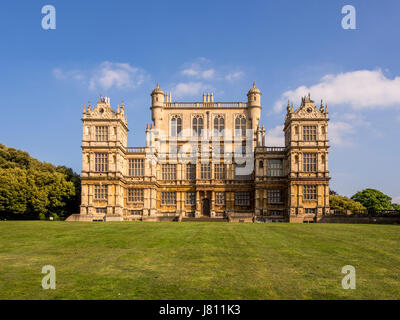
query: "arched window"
240, 126
198, 126
219, 125
176, 126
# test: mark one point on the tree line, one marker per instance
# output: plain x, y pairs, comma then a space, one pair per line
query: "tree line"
367, 199
30, 189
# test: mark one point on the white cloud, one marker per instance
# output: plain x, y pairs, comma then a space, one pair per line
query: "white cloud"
202, 69
188, 89
359, 89
234, 75
107, 75
73, 74
199, 68
190, 72
275, 137
339, 133
396, 199
202, 74
118, 75
355, 119
208, 74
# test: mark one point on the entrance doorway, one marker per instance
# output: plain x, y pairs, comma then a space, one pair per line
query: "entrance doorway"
205, 208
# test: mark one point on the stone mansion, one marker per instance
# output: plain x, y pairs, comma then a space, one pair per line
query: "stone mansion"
204, 161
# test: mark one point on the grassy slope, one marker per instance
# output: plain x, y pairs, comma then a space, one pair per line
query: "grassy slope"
198, 260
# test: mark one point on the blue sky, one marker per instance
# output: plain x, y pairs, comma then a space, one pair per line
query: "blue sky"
122, 48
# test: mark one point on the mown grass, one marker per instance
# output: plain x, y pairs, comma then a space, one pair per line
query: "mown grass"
137, 260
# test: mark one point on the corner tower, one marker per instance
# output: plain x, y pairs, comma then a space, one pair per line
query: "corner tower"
307, 145
157, 105
254, 106
104, 143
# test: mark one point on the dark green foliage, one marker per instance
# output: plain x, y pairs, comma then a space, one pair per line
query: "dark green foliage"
343, 203
30, 189
373, 199
332, 192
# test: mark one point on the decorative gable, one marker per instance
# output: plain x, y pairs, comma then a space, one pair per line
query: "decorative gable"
307, 110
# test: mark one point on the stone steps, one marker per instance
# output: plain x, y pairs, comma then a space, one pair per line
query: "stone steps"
204, 219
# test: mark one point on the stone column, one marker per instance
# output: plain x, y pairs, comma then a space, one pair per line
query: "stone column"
197, 212
212, 211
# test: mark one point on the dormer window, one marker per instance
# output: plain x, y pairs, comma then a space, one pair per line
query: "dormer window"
219, 125
197, 126
240, 126
176, 126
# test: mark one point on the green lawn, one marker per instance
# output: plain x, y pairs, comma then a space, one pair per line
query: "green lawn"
136, 260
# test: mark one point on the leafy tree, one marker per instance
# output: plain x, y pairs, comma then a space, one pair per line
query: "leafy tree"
343, 203
30, 189
373, 199
396, 206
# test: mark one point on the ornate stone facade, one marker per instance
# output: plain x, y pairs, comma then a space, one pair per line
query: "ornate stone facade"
204, 160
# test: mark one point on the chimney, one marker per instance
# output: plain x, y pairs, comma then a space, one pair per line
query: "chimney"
263, 136
147, 136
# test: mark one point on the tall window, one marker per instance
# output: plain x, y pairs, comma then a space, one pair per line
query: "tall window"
219, 125
310, 162
101, 210
136, 167
275, 167
168, 198
135, 195
100, 192
101, 162
310, 192
310, 133
168, 171
220, 198
205, 171
101, 133
219, 171
274, 196
198, 125
240, 126
176, 126
191, 171
242, 198
190, 198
